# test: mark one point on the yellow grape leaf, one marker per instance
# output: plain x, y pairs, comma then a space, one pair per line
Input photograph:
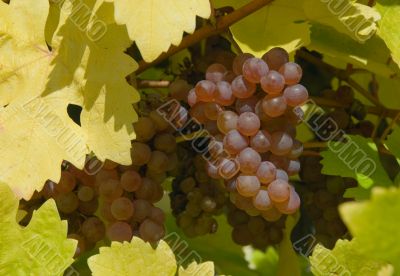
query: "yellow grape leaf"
86, 66
203, 269
156, 24
41, 248
353, 19
134, 258
280, 23
388, 26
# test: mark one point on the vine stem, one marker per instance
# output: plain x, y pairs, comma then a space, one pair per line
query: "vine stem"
208, 30
152, 83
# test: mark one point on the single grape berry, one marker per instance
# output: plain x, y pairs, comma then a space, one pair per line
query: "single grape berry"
254, 69
248, 123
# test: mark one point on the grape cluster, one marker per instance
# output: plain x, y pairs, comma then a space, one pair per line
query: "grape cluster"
254, 230
321, 195
196, 199
251, 113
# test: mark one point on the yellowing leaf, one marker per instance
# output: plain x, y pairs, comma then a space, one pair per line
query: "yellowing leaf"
375, 226
388, 26
156, 24
86, 66
353, 19
41, 248
280, 23
343, 260
203, 269
134, 258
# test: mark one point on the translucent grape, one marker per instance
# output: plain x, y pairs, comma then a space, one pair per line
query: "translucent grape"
144, 129
212, 110
254, 69
140, 153
211, 127
131, 181
279, 190
274, 106
246, 105
297, 149
228, 168
291, 205
227, 121
293, 167
67, 182
122, 208
147, 189
205, 90
266, 172
295, 95
248, 123
110, 189
165, 142
67, 203
198, 112
215, 72
247, 185
93, 229
158, 161
160, 122
292, 73
208, 204
238, 62
157, 215
273, 83
249, 160
212, 170
119, 231
234, 142
142, 209
261, 200
192, 97
85, 193
281, 143
229, 76
275, 58
151, 231
242, 88
179, 89
271, 214
224, 94
261, 141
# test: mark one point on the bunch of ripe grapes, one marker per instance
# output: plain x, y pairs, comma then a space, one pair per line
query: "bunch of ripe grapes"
251, 113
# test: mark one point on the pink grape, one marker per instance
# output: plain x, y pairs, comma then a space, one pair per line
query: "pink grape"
254, 69
295, 95
281, 174
215, 72
296, 150
266, 172
212, 110
212, 170
274, 106
242, 88
279, 190
119, 231
246, 105
261, 200
228, 168
261, 141
293, 167
249, 160
247, 185
292, 73
248, 123
239, 61
122, 208
275, 58
281, 143
291, 205
192, 97
224, 94
273, 83
227, 121
234, 142
198, 112
205, 90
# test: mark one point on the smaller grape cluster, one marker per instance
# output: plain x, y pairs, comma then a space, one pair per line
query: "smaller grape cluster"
321, 195
251, 113
254, 230
196, 199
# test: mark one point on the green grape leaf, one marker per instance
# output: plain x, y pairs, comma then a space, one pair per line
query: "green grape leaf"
133, 258
37, 85
203, 269
343, 259
392, 142
266, 263
373, 55
155, 25
41, 248
357, 158
374, 226
268, 28
390, 12
357, 193
352, 19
